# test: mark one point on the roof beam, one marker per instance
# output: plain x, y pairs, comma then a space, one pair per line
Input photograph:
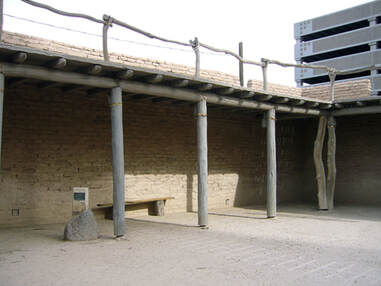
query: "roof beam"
180, 83
126, 74
156, 78
59, 63
358, 111
94, 69
19, 57
34, 72
205, 87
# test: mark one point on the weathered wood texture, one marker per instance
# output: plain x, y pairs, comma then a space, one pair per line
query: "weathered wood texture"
241, 73
331, 161
115, 101
271, 164
319, 164
202, 162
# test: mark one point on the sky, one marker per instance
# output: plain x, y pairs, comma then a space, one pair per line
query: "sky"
266, 28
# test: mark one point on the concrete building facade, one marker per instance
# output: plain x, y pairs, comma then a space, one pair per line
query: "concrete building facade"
346, 40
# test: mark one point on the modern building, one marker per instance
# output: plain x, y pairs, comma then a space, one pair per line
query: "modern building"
347, 40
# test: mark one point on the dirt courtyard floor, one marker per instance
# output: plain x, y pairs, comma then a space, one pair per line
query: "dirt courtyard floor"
300, 247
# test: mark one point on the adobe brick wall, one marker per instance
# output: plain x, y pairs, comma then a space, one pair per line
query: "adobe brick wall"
349, 89
54, 141
78, 51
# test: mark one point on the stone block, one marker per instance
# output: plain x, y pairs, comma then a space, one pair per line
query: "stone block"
82, 227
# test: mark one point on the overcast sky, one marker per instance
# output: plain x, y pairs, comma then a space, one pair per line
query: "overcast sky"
264, 27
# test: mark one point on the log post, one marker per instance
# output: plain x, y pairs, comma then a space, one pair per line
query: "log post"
2, 78
115, 101
241, 74
202, 163
196, 48
319, 165
106, 24
331, 161
265, 64
271, 164
1, 18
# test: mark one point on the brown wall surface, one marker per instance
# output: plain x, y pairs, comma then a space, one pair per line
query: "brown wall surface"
54, 141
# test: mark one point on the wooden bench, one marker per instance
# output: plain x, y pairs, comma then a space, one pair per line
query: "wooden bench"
157, 206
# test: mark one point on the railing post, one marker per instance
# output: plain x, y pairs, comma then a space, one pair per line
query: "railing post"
2, 78
241, 77
265, 64
107, 23
1, 18
332, 76
196, 48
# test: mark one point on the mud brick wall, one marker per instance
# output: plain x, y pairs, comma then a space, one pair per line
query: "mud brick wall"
54, 141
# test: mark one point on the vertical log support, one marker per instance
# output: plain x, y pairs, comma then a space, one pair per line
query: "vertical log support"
1, 18
196, 48
319, 165
202, 163
331, 161
271, 164
265, 64
241, 77
1, 112
115, 101
107, 24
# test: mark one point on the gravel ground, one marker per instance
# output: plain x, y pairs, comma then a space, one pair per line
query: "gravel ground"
299, 247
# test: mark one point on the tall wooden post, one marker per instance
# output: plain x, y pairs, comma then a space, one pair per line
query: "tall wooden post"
319, 165
2, 78
202, 162
1, 18
241, 74
115, 101
331, 161
271, 164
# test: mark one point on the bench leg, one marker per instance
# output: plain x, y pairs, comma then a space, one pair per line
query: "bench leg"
158, 207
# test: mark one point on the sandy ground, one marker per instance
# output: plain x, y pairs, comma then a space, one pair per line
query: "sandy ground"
300, 247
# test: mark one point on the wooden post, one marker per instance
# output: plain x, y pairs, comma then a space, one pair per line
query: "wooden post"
2, 78
196, 48
107, 23
332, 77
331, 161
202, 162
271, 164
264, 73
1, 18
115, 101
319, 165
241, 77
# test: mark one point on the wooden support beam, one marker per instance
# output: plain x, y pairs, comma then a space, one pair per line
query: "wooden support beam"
360, 103
126, 74
281, 100
312, 104
247, 94
115, 101
339, 106
180, 83
325, 106
319, 165
59, 63
298, 102
19, 57
34, 72
357, 111
205, 87
263, 97
94, 70
202, 162
331, 161
2, 80
225, 91
271, 164
155, 78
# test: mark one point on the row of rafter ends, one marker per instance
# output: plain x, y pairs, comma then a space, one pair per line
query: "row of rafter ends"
99, 68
